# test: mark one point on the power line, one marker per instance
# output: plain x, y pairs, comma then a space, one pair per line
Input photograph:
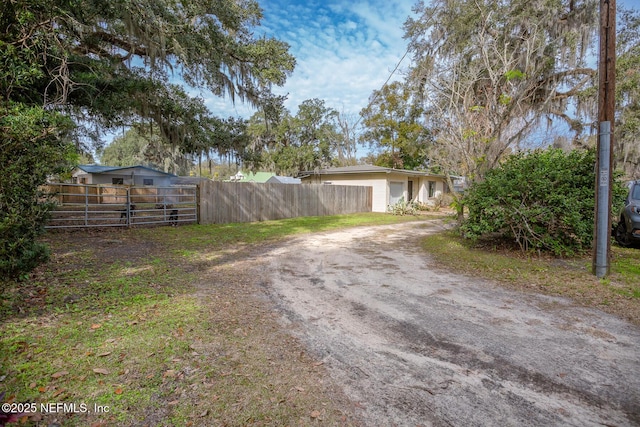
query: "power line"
377, 93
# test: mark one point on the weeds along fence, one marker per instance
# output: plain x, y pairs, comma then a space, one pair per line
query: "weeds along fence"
228, 202
82, 206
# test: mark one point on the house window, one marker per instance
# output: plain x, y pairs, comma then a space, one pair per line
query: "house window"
432, 189
147, 181
117, 181
396, 192
83, 180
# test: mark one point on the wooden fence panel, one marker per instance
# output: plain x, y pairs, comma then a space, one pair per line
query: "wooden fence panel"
227, 202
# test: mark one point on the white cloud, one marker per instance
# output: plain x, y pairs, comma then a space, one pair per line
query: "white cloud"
344, 50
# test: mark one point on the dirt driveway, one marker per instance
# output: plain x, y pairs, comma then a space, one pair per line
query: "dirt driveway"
414, 345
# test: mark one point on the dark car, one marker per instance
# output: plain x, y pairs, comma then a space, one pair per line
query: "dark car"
628, 230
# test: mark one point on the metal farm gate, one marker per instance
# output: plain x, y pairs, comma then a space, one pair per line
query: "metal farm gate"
80, 206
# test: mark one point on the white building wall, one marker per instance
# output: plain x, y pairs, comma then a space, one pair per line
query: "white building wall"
380, 185
380, 193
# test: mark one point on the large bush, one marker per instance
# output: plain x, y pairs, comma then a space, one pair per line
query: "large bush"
32, 148
542, 200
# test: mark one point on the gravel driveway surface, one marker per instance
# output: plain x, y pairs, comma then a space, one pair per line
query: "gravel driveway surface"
412, 344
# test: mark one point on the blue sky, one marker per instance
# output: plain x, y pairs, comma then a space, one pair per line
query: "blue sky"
344, 50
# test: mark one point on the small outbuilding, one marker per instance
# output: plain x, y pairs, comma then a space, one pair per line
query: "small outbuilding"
389, 185
121, 175
283, 180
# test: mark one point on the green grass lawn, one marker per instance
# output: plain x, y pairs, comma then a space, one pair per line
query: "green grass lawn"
167, 327
619, 293
161, 326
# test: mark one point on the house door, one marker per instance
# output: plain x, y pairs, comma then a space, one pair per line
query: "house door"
410, 191
396, 192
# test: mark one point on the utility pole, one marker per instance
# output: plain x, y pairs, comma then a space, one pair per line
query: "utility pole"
606, 120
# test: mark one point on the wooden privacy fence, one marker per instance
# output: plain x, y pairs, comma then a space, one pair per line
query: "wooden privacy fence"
227, 202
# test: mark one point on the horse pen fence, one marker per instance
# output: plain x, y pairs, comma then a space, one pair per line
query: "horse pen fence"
86, 206
83, 206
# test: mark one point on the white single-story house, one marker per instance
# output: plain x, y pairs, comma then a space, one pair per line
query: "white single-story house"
120, 175
389, 185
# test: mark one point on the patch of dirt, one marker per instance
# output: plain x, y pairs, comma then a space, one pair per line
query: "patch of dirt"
414, 345
384, 336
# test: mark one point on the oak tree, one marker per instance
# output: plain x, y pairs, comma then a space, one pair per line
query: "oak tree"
490, 73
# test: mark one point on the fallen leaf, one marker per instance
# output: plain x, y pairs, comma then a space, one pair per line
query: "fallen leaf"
59, 392
300, 389
118, 391
59, 374
106, 353
204, 414
32, 385
169, 374
315, 414
110, 340
101, 371
96, 326
42, 389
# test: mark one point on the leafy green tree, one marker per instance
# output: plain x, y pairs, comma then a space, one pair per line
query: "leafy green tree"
234, 140
113, 60
126, 150
541, 200
391, 123
140, 145
288, 144
627, 127
32, 146
109, 63
346, 140
490, 73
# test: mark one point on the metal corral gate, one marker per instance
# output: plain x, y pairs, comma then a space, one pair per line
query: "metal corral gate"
80, 206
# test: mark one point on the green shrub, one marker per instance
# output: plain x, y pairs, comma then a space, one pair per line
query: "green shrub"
542, 200
402, 207
32, 148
